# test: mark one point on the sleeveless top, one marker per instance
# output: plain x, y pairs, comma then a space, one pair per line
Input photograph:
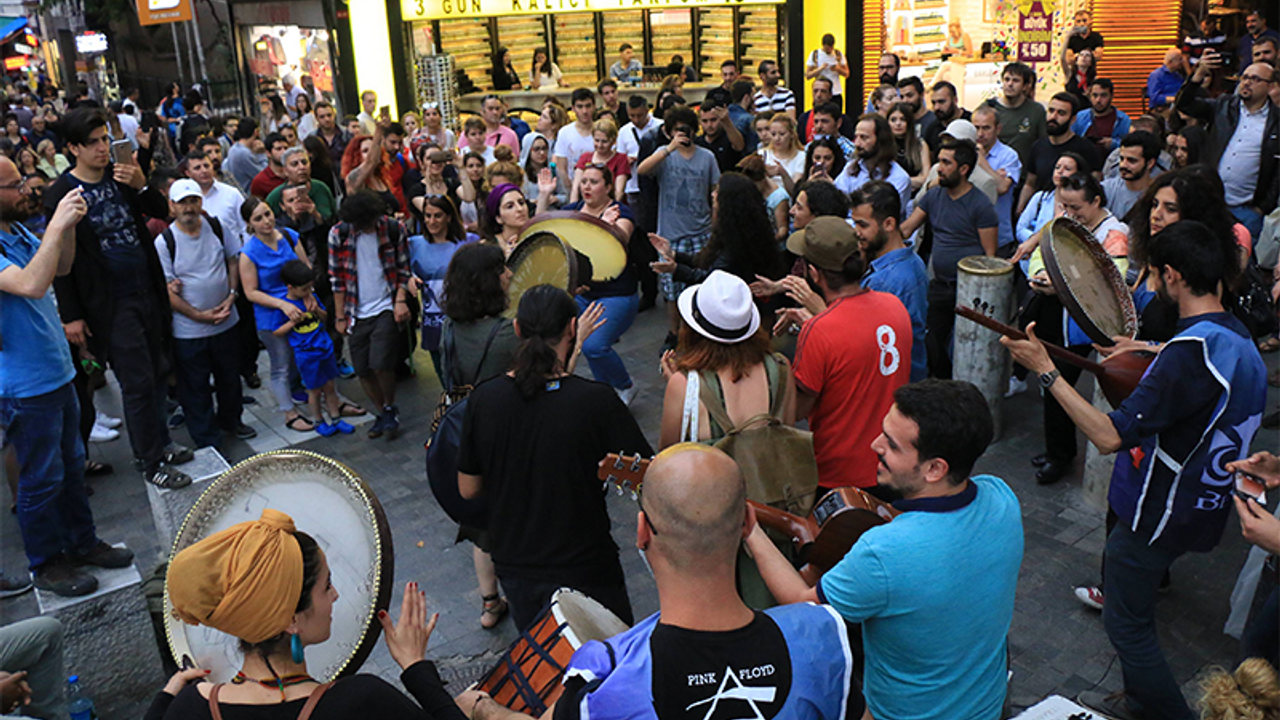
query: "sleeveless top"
772, 369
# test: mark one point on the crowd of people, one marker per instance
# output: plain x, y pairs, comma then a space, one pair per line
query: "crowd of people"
808, 264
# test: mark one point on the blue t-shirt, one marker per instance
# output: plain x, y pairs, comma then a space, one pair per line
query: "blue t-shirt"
308, 337
34, 357
269, 262
955, 226
113, 223
684, 194
928, 655
901, 273
429, 261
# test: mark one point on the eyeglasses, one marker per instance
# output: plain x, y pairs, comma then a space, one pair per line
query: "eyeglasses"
1254, 79
19, 186
640, 503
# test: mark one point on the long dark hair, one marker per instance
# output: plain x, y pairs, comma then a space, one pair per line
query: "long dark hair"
1200, 198
445, 205
545, 69
544, 312
1197, 138
830, 144
742, 233
908, 146
321, 164
310, 576
473, 283
880, 164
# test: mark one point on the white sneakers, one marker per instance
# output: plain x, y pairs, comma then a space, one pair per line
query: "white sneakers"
104, 428
1016, 386
628, 395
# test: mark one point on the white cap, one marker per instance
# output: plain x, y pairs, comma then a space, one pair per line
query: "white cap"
721, 308
182, 189
961, 130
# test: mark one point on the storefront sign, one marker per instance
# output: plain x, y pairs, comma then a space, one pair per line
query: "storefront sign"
89, 42
450, 9
1035, 30
15, 63
157, 12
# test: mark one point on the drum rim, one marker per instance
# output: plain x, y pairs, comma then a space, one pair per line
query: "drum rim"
384, 555
570, 257
613, 231
1108, 269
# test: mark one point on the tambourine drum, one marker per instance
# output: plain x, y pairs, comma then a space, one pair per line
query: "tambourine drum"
1087, 281
541, 258
331, 504
601, 242
527, 678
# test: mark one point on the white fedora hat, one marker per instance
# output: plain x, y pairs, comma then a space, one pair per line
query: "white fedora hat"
721, 308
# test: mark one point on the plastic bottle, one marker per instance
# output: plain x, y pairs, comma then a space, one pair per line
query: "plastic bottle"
78, 704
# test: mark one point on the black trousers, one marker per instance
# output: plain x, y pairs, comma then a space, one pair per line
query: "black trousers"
197, 360
88, 413
247, 336
137, 355
939, 323
1059, 430
527, 597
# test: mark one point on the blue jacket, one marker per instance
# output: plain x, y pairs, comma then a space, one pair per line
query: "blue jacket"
1084, 120
1163, 84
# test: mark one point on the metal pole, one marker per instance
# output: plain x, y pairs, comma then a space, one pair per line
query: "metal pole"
204, 71
191, 54
177, 54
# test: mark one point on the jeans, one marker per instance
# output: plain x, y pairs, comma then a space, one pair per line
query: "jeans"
1249, 218
606, 365
940, 320
198, 358
138, 358
35, 645
1131, 578
1262, 635
527, 597
53, 501
284, 373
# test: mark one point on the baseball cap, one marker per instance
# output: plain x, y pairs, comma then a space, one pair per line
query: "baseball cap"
961, 130
184, 188
826, 242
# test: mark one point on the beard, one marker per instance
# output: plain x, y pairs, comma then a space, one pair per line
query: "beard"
12, 213
949, 181
876, 244
945, 116
888, 78
1056, 129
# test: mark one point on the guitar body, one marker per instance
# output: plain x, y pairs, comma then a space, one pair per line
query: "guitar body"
835, 524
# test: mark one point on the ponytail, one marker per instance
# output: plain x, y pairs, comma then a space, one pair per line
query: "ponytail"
543, 314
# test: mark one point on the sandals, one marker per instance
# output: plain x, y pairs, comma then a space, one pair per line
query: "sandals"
495, 608
94, 469
347, 409
1269, 345
293, 424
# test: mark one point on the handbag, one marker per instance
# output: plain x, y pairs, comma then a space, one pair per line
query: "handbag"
445, 440
1252, 302
1267, 249
777, 461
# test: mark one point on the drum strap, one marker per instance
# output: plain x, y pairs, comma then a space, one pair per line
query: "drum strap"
531, 696
307, 709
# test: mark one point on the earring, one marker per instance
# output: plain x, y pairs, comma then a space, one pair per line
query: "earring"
295, 649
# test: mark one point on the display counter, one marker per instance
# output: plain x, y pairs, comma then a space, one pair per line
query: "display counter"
532, 99
976, 80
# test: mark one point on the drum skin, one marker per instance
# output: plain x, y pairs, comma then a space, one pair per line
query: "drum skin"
540, 258
1088, 282
331, 504
589, 235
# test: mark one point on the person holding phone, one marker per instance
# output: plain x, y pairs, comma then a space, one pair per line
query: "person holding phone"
1262, 528
1167, 487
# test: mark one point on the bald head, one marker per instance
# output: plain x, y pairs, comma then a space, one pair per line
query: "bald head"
1173, 59
695, 500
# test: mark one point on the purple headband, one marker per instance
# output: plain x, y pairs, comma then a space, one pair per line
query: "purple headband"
494, 201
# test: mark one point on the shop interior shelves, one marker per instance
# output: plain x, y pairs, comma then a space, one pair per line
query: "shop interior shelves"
575, 41
521, 36
467, 40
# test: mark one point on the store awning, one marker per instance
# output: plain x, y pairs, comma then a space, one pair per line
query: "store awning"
11, 27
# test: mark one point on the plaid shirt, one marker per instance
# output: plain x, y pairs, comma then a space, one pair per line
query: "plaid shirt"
342, 258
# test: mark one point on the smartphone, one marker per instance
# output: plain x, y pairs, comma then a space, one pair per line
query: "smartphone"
1250, 487
384, 112
122, 152
1042, 282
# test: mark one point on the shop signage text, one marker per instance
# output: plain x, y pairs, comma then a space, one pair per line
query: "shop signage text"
451, 9
1035, 30
157, 12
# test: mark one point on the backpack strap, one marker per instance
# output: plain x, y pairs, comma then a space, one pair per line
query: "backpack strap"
312, 701
710, 395
216, 225
773, 364
171, 243
214, 710
493, 333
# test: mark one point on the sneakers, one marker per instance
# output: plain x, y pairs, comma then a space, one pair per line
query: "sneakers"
167, 478
175, 454
1112, 705
391, 422
253, 381
62, 578
13, 586
176, 419
101, 434
627, 395
345, 371
1016, 386
1090, 595
244, 432
107, 421
377, 427
105, 556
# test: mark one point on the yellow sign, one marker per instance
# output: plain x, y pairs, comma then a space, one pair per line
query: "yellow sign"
157, 12
453, 9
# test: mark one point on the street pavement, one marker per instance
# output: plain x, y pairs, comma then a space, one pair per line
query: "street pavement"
1057, 645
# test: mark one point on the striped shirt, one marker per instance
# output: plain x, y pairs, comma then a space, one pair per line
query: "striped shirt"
783, 99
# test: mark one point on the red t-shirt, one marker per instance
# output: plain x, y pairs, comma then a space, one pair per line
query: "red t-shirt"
264, 182
852, 357
619, 164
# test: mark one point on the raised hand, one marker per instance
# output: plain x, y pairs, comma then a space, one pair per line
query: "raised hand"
407, 638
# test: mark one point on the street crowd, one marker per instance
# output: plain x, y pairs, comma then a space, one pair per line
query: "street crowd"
808, 266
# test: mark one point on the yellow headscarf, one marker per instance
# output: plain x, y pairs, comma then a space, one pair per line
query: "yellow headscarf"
244, 581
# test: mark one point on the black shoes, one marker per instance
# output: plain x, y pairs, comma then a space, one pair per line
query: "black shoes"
61, 577
1051, 471
244, 432
168, 478
13, 586
105, 556
1040, 459
253, 381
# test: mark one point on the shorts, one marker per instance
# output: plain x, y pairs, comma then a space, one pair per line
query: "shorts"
315, 369
374, 344
690, 245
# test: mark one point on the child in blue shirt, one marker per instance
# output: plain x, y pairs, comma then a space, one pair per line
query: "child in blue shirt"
312, 348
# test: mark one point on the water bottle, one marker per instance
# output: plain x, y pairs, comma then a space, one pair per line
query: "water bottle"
78, 704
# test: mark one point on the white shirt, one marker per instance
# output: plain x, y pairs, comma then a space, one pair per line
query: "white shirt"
818, 58
629, 144
367, 123
548, 81
1242, 158
307, 126
375, 294
795, 165
855, 176
571, 144
129, 126
201, 264
223, 201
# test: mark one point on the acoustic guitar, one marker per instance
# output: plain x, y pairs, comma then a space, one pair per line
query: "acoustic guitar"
820, 540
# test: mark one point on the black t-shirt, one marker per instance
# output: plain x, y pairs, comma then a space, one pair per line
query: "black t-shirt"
726, 157
1045, 155
1077, 43
538, 462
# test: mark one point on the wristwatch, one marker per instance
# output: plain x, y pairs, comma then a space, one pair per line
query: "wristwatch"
1046, 379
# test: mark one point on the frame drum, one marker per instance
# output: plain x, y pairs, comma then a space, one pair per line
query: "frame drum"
541, 258
328, 502
598, 240
1087, 281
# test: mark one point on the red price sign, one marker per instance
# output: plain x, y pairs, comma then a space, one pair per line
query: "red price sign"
1035, 33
